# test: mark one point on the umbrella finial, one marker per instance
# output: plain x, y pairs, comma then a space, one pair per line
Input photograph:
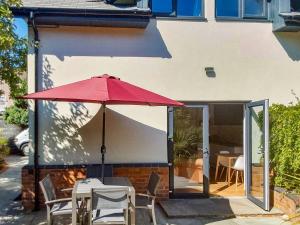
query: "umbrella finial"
107, 76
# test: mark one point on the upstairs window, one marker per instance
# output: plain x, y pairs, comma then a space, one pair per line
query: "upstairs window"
177, 8
295, 5
241, 9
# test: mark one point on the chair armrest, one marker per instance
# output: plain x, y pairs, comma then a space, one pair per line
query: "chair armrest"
58, 201
145, 195
67, 189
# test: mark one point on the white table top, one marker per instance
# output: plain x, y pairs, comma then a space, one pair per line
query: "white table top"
83, 188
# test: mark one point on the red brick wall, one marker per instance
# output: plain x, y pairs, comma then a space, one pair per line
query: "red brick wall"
64, 178
139, 178
283, 202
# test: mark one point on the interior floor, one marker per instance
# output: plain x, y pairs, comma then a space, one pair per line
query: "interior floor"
226, 146
221, 188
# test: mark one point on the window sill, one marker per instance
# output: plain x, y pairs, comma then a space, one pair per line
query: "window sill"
249, 20
181, 18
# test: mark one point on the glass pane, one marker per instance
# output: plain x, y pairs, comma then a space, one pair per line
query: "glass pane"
295, 6
188, 153
254, 7
162, 6
228, 8
257, 152
189, 7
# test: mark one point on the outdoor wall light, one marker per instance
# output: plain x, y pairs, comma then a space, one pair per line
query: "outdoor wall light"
210, 71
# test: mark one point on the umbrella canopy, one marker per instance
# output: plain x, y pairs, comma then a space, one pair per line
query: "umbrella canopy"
106, 90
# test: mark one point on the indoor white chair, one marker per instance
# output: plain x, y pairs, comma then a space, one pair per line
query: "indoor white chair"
238, 169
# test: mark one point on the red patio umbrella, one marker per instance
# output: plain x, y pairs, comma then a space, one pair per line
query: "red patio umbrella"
106, 90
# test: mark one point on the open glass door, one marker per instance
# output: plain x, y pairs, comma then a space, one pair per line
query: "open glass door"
257, 153
188, 145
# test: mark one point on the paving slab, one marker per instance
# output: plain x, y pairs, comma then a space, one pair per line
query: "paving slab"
214, 207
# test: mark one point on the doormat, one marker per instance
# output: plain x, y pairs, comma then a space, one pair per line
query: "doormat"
214, 207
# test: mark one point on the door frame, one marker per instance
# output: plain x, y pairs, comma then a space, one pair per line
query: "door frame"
265, 204
206, 167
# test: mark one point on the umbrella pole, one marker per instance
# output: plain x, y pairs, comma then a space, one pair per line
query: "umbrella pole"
103, 148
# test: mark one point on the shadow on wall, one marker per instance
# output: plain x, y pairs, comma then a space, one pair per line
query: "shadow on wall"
113, 42
71, 134
59, 133
127, 140
290, 41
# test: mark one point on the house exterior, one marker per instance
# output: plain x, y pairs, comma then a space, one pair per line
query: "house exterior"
206, 53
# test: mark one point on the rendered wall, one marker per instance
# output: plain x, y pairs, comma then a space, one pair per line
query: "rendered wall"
168, 57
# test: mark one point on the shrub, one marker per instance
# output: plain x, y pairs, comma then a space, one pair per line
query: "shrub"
16, 115
285, 145
4, 149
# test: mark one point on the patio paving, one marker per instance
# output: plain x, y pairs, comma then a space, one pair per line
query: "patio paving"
214, 207
12, 213
17, 217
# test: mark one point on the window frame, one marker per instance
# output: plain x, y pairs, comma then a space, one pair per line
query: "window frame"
242, 15
174, 15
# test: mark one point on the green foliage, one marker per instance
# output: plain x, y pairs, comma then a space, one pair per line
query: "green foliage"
13, 52
187, 134
285, 145
186, 142
4, 149
16, 115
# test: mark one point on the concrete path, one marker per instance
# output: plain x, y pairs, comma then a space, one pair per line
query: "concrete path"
10, 182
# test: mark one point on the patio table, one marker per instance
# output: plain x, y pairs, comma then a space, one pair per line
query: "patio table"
82, 190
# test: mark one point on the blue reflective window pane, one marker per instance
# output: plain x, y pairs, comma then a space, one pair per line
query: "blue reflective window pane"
254, 7
162, 6
229, 8
189, 7
295, 5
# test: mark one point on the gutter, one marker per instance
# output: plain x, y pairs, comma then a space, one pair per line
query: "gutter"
36, 119
125, 17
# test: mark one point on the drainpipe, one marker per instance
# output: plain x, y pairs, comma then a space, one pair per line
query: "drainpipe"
36, 119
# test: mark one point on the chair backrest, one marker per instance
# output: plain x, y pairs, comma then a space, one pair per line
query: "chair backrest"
48, 188
153, 183
110, 198
239, 163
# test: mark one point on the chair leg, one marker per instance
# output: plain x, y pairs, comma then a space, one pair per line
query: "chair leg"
49, 217
231, 175
222, 171
242, 176
153, 217
236, 178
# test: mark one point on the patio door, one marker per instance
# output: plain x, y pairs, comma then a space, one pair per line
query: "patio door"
188, 145
257, 153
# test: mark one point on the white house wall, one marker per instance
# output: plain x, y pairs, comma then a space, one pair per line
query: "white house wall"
168, 57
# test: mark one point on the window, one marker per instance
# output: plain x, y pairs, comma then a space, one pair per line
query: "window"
177, 8
241, 8
295, 6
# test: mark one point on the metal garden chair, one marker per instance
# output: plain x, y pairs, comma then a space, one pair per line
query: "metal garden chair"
109, 206
55, 207
147, 200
